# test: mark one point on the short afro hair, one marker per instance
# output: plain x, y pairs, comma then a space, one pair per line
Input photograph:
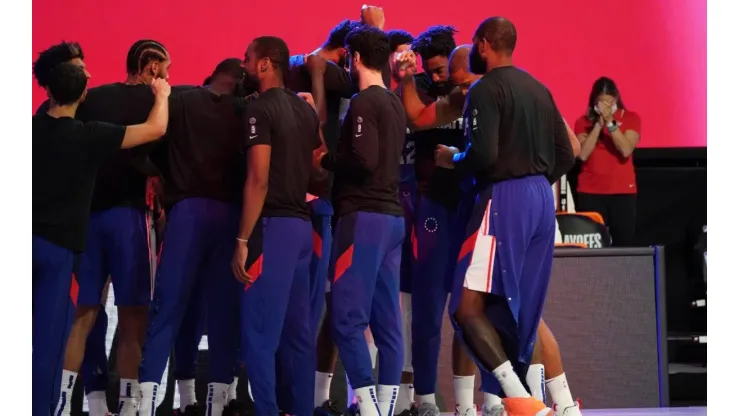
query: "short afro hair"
275, 49
141, 53
372, 45
435, 41
67, 82
53, 56
339, 33
398, 38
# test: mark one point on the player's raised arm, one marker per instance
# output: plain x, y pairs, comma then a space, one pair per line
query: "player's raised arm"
156, 125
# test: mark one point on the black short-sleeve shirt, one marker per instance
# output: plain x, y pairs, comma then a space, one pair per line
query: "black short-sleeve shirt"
66, 156
366, 161
122, 179
289, 125
204, 147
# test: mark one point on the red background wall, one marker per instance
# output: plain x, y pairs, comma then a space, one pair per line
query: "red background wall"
654, 49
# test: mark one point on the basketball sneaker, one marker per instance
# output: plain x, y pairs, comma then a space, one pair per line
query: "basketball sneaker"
329, 408
496, 410
473, 411
574, 410
411, 411
190, 410
526, 406
428, 409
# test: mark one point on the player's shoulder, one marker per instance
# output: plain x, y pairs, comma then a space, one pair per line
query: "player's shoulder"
374, 95
630, 115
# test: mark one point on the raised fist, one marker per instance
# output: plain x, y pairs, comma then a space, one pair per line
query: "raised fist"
404, 64
372, 16
161, 87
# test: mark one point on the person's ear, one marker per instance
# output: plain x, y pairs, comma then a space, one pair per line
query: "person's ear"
154, 69
355, 58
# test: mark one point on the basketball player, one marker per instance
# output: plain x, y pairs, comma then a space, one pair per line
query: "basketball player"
400, 41
68, 154
203, 180
118, 235
224, 82
366, 251
439, 113
282, 133
439, 216
95, 363
498, 299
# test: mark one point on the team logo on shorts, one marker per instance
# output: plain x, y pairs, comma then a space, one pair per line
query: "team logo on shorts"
431, 225
252, 120
359, 119
475, 112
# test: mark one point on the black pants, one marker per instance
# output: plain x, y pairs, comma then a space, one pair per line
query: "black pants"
619, 212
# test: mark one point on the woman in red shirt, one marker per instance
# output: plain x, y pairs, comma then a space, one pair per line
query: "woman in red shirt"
608, 134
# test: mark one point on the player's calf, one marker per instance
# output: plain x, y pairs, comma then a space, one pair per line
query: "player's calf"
74, 354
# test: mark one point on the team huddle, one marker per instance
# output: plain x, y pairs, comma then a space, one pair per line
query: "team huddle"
268, 209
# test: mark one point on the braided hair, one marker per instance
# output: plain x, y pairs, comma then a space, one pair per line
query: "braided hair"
143, 52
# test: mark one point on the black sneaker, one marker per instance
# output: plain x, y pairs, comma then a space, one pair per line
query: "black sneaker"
412, 411
352, 410
190, 410
329, 408
235, 408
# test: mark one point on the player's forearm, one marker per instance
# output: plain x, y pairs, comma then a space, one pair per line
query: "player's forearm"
255, 192
318, 90
411, 101
621, 142
588, 143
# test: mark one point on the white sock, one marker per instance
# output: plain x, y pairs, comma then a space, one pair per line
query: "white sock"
186, 388
464, 393
387, 396
147, 404
373, 352
491, 400
65, 393
129, 394
367, 401
428, 398
536, 381
509, 381
560, 392
232, 390
321, 390
216, 398
405, 398
97, 403
351, 398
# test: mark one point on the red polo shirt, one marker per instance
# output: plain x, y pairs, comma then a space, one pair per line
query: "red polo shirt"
606, 172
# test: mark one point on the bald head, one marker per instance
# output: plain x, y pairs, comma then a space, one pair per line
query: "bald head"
459, 58
499, 32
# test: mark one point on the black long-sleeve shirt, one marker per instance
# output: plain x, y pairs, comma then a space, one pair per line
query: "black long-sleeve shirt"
366, 161
514, 129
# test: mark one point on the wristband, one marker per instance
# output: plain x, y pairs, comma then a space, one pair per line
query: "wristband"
612, 127
241, 240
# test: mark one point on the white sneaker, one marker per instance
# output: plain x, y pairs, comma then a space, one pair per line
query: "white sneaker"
496, 410
428, 409
472, 411
574, 410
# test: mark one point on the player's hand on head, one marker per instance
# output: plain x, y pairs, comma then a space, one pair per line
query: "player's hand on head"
404, 64
372, 16
239, 263
443, 156
161, 87
316, 64
308, 97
